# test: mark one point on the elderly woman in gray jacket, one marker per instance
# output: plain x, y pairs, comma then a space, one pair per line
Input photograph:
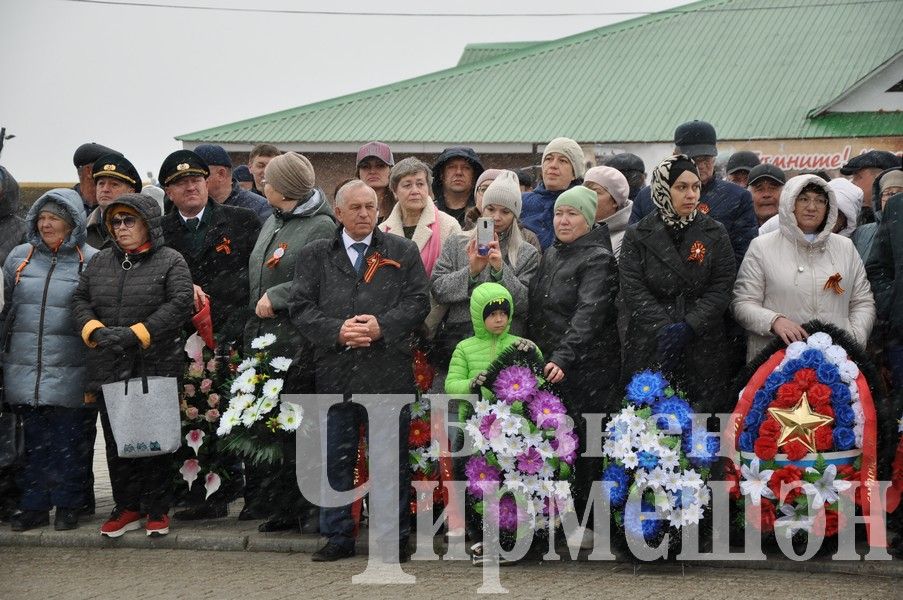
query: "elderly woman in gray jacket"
44, 358
511, 262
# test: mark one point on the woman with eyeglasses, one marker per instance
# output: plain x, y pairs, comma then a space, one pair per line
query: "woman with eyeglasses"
802, 272
44, 359
129, 307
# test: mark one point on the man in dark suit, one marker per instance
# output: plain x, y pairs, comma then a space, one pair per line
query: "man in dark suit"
358, 298
216, 242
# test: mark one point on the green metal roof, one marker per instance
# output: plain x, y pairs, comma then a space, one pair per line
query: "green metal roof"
752, 69
479, 52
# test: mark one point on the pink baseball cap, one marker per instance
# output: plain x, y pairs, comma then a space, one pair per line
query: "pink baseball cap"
377, 149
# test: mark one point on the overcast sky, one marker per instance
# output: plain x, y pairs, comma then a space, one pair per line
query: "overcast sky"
134, 77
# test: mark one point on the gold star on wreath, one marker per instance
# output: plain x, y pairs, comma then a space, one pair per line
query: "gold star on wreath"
799, 423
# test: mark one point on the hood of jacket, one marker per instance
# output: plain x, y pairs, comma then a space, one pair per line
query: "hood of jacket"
786, 218
618, 221
849, 202
455, 152
315, 205
9, 194
149, 210
482, 295
69, 200
876, 188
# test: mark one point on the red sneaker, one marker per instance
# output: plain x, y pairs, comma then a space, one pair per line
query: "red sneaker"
157, 525
120, 521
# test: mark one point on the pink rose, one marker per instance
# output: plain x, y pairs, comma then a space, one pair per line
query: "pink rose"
212, 415
211, 365
191, 412
213, 400
189, 390
196, 370
206, 384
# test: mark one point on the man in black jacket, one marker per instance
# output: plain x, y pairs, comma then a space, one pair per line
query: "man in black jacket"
216, 242
454, 175
358, 298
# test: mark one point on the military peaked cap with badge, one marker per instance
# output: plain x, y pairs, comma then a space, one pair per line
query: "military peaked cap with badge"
182, 163
118, 167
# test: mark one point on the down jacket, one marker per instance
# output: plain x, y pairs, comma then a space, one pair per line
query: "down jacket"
783, 274
573, 317
43, 356
154, 298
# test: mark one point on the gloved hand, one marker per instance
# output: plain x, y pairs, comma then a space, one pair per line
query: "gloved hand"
525, 345
107, 338
671, 342
125, 337
478, 381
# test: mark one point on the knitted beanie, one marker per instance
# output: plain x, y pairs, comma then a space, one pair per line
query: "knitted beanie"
504, 191
612, 180
290, 174
581, 198
891, 179
487, 175
56, 208
501, 304
571, 150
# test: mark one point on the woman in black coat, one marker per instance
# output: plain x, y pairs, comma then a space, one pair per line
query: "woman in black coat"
677, 273
129, 306
573, 320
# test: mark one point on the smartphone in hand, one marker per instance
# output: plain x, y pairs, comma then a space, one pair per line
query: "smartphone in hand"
485, 234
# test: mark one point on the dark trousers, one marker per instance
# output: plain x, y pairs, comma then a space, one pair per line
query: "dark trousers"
139, 484
86, 449
53, 472
342, 436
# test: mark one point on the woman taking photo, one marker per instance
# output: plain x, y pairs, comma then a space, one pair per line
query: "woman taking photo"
802, 272
129, 306
511, 262
572, 318
677, 271
44, 359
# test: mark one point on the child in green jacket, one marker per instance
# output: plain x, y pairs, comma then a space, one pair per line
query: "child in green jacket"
491, 310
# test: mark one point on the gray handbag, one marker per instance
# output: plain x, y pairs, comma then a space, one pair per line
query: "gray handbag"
144, 415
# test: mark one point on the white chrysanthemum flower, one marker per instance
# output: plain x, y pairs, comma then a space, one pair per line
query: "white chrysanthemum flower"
546, 471
641, 479
544, 447
692, 479
673, 481
480, 443
562, 490
289, 417
241, 402
608, 448
649, 442
514, 482
228, 420
281, 364
669, 459
691, 515
272, 388
836, 354
244, 383
819, 340
267, 405
433, 451
507, 463
849, 372
702, 496
630, 461
247, 364
656, 477
511, 425
481, 407
263, 341
795, 350
755, 482
250, 416
533, 439
501, 410
622, 449
512, 445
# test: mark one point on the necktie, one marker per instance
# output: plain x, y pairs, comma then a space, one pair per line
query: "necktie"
193, 223
361, 249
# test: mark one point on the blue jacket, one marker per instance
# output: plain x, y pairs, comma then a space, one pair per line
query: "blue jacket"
245, 199
43, 354
728, 203
538, 211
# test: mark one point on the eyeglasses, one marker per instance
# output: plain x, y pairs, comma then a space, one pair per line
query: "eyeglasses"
812, 200
127, 221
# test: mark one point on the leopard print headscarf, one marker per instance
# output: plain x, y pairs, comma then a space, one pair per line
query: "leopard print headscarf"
661, 191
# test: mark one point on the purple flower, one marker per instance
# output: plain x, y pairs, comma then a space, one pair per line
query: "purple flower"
486, 425
546, 409
514, 384
530, 462
480, 475
565, 446
507, 513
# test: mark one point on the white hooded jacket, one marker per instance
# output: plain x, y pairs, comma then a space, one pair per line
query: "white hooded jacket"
783, 274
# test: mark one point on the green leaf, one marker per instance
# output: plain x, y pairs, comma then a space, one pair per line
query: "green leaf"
492, 459
857, 464
479, 507
811, 477
565, 471
644, 413
684, 463
670, 441
820, 463
517, 408
619, 518
669, 391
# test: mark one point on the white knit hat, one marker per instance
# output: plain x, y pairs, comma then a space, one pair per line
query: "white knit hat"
571, 150
504, 191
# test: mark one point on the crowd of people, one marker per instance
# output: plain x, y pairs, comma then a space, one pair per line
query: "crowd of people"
601, 274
